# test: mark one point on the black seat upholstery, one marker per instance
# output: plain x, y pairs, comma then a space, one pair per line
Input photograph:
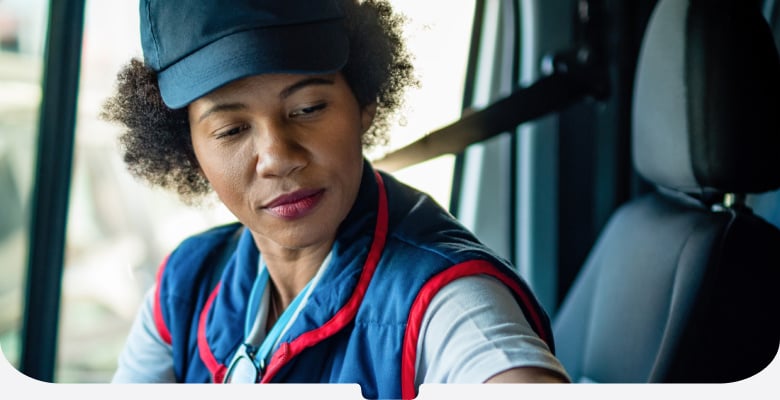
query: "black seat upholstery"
682, 284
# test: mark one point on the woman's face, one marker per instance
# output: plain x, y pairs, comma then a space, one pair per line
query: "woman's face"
283, 152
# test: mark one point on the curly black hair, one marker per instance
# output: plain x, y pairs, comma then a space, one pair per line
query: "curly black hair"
156, 140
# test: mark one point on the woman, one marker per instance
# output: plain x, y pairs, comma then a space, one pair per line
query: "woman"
335, 272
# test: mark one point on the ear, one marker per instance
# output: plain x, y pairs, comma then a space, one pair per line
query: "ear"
367, 114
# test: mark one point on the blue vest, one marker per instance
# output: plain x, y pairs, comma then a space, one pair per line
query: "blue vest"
392, 254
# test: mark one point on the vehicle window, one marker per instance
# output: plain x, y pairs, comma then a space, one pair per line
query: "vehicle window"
22, 33
119, 229
440, 47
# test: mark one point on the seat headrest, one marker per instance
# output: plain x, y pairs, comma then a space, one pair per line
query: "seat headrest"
706, 112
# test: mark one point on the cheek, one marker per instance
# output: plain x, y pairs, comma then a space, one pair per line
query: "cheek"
350, 159
344, 152
349, 139
223, 171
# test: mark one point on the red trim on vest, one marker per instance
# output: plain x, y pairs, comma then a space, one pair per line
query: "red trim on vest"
217, 370
159, 321
347, 313
423, 300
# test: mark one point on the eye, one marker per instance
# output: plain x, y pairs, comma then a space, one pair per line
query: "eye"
231, 131
307, 111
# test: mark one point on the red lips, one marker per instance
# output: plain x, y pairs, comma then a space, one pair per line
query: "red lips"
295, 204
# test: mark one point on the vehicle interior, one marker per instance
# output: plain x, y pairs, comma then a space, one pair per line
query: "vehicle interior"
623, 155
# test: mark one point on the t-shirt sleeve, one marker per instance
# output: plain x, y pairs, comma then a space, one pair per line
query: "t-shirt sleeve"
474, 329
146, 357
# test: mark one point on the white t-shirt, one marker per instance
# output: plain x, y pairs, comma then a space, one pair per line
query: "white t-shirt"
472, 330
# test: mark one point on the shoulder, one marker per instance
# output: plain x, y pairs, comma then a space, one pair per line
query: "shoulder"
420, 225
188, 265
186, 275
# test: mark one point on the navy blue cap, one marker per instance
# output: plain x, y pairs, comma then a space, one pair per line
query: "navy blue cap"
196, 46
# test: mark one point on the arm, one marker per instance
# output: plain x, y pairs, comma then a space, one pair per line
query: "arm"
146, 358
474, 331
528, 375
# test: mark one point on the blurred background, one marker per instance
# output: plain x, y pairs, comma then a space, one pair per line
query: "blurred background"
118, 228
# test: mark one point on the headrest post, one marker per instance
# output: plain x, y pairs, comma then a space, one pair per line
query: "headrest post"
731, 201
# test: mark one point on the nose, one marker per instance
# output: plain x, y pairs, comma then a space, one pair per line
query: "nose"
278, 152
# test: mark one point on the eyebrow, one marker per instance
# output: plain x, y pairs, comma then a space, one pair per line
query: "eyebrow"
289, 90
286, 92
221, 107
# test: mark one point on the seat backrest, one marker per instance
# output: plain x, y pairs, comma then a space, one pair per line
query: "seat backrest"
679, 286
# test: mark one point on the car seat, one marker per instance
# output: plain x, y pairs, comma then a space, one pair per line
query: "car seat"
681, 285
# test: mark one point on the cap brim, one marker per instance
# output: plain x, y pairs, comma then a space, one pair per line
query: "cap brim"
311, 48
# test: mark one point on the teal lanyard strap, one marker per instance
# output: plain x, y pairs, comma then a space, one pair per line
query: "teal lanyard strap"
254, 301
263, 354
